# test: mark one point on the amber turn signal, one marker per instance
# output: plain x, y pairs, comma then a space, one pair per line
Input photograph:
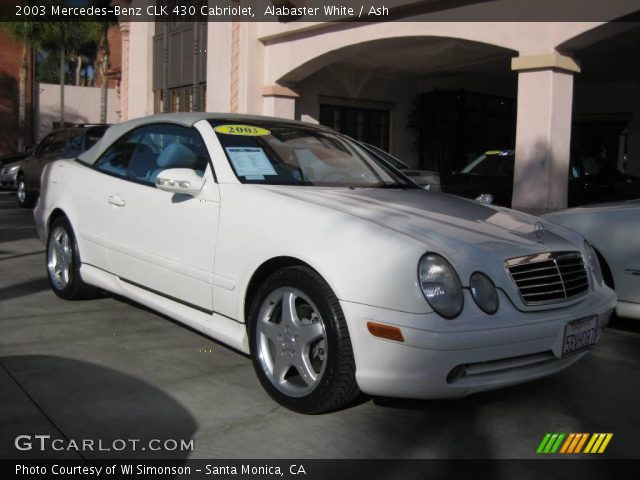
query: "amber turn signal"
388, 332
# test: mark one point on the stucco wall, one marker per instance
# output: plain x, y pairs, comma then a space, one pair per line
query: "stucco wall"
81, 105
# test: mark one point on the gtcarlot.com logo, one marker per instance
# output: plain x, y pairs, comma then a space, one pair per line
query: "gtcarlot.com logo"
46, 442
573, 443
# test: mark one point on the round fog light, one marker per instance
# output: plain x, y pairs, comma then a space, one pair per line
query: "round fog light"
484, 293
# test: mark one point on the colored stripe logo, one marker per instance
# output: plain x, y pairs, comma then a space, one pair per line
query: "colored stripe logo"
573, 443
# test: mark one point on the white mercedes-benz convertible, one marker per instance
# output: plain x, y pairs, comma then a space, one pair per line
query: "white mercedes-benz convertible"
335, 272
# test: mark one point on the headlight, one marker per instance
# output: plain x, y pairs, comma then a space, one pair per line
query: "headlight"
593, 263
440, 285
484, 293
13, 169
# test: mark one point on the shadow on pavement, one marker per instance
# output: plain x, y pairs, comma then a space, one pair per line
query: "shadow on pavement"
25, 288
19, 255
86, 401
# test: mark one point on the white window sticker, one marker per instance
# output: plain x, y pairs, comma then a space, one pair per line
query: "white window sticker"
250, 162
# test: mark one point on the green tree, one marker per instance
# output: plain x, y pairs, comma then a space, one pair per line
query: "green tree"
69, 38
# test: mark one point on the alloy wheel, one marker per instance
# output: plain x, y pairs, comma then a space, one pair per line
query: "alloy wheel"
59, 258
291, 341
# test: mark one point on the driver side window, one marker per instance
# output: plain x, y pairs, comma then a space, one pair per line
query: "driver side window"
145, 152
115, 160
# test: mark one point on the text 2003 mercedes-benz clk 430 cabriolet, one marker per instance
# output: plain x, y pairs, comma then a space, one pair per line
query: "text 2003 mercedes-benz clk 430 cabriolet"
333, 270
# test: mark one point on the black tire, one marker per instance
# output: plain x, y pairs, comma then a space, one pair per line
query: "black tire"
25, 197
335, 386
74, 288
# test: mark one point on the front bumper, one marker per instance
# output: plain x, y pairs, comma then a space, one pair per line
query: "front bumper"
455, 363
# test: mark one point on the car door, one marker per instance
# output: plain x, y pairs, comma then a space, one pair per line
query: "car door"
157, 240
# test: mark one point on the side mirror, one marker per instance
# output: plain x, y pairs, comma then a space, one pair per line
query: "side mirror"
180, 180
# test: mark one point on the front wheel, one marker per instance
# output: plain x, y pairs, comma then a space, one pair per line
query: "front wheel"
300, 344
63, 263
24, 196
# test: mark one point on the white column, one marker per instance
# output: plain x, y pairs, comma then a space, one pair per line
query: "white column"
140, 71
219, 67
279, 101
543, 134
123, 97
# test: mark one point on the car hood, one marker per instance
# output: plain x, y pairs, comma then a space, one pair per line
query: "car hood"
447, 224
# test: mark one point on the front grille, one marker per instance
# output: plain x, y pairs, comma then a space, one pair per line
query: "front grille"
549, 277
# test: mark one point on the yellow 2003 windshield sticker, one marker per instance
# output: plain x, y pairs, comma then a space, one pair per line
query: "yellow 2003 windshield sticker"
246, 130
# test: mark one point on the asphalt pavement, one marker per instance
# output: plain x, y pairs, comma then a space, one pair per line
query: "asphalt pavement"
111, 370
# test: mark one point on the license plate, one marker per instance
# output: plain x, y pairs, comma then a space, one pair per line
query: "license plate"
579, 335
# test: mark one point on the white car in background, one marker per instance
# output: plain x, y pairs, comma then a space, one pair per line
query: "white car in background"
290, 242
614, 231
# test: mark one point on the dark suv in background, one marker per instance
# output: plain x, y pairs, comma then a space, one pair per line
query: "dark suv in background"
62, 143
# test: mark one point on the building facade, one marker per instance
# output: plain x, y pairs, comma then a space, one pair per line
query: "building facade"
523, 84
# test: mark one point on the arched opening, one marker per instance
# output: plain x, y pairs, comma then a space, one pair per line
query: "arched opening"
385, 91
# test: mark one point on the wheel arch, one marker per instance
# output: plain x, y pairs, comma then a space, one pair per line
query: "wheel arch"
263, 271
607, 274
54, 215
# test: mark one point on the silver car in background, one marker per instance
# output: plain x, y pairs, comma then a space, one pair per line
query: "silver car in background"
9, 167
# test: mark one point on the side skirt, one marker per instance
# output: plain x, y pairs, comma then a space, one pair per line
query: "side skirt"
212, 324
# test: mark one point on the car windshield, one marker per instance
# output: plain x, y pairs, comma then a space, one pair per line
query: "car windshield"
495, 162
386, 157
284, 154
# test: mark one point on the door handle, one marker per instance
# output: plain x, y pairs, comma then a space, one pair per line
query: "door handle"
116, 200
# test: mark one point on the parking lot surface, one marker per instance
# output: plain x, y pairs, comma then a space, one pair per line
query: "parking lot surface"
109, 369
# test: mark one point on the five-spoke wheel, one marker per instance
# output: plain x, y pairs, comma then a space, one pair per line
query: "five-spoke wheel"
292, 341
300, 344
59, 258
63, 263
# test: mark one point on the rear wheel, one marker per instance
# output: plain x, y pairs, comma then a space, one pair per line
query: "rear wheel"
300, 345
63, 263
25, 198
